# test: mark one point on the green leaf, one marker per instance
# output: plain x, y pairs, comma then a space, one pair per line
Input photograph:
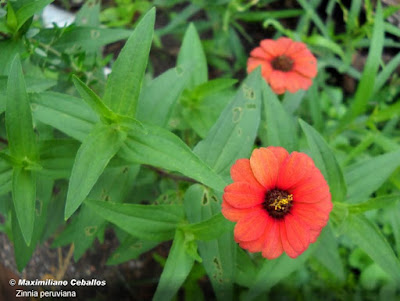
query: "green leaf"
386, 73
149, 222
366, 235
218, 255
209, 229
57, 157
93, 100
232, 136
88, 14
124, 83
203, 114
325, 160
366, 85
161, 148
130, 248
88, 39
29, 9
65, 113
395, 223
327, 253
176, 269
93, 156
280, 127
23, 251
12, 21
373, 204
157, 99
365, 177
9, 49
21, 138
113, 185
274, 271
24, 197
6, 172
192, 53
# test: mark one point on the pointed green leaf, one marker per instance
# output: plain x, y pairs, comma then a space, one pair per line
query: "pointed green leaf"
21, 137
368, 237
149, 222
273, 271
130, 248
93, 100
93, 156
24, 197
209, 229
232, 136
29, 9
161, 148
373, 204
88, 39
366, 85
23, 252
159, 97
176, 269
325, 160
192, 53
57, 157
218, 255
280, 127
327, 253
113, 185
66, 113
6, 172
365, 177
124, 83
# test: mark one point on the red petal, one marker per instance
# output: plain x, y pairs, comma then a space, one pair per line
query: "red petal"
306, 66
272, 47
260, 53
251, 227
280, 153
242, 195
265, 167
297, 81
312, 189
258, 244
314, 235
315, 215
277, 81
297, 233
285, 242
253, 63
241, 172
234, 214
296, 167
296, 48
273, 246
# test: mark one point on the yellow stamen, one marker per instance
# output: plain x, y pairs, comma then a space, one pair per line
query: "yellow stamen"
278, 203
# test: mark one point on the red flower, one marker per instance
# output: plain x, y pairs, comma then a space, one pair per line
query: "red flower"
280, 202
285, 64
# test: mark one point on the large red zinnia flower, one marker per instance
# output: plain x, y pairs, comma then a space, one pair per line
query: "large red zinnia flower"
280, 202
285, 64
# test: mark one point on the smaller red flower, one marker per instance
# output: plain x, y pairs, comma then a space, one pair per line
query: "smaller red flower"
285, 64
280, 202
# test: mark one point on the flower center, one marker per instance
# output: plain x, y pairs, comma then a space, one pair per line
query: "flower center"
282, 63
278, 203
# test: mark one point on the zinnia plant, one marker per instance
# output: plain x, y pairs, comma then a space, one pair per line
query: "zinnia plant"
280, 202
285, 64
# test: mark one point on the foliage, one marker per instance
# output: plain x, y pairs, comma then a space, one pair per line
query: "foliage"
101, 141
